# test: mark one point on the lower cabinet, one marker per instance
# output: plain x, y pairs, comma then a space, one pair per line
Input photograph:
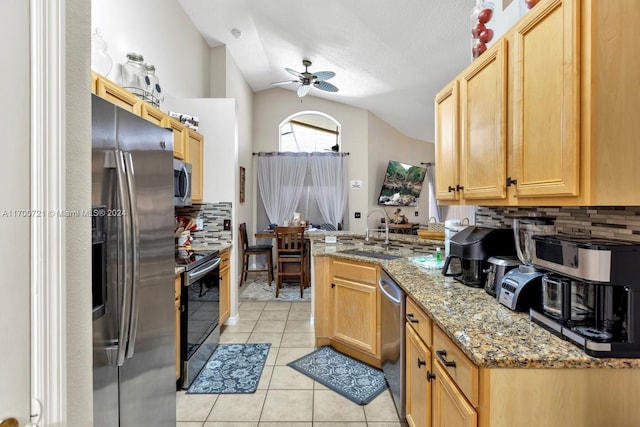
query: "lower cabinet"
441, 382
347, 307
448, 405
418, 378
178, 289
225, 285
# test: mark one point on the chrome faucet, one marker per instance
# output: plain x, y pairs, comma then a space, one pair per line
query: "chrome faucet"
386, 225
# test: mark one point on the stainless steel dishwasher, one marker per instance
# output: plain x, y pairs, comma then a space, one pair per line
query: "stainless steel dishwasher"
392, 312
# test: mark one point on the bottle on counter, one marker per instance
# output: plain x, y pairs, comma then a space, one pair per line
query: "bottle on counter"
438, 255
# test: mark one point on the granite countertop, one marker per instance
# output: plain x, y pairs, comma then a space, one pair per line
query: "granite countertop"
490, 334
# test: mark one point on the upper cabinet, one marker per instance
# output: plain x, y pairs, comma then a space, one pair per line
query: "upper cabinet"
194, 145
546, 95
188, 145
447, 143
559, 128
483, 121
471, 130
179, 136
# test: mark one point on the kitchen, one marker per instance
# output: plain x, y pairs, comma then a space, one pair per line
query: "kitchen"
77, 191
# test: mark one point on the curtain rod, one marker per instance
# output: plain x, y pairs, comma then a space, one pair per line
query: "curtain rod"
275, 153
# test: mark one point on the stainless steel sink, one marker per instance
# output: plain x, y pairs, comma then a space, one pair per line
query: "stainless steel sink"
379, 255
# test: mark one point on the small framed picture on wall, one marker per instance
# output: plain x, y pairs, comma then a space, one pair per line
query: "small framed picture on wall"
242, 179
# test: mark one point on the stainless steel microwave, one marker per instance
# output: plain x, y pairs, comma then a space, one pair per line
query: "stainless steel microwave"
181, 183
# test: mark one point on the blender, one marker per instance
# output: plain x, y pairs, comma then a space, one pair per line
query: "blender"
520, 289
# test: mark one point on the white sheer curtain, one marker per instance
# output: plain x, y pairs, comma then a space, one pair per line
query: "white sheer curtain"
434, 208
329, 178
280, 180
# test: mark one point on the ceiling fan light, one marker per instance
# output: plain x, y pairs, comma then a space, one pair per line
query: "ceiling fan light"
303, 90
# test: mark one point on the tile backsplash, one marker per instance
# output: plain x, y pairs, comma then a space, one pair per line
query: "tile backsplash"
213, 216
610, 222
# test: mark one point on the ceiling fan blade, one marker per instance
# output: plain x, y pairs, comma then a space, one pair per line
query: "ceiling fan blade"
303, 90
324, 75
294, 72
325, 86
286, 82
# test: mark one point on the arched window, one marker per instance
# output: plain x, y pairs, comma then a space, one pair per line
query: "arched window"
308, 132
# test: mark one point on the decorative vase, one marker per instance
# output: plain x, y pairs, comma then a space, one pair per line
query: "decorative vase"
101, 62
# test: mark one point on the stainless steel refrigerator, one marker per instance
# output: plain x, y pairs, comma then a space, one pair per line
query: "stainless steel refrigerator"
133, 270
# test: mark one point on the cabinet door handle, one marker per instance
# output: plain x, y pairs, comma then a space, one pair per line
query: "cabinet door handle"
421, 363
411, 319
441, 355
430, 376
511, 181
451, 189
459, 187
333, 285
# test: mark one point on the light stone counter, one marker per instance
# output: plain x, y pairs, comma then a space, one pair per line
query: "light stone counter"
490, 334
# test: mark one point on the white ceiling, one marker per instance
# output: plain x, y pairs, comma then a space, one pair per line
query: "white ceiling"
390, 57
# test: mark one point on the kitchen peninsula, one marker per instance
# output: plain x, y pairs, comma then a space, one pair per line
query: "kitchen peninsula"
510, 371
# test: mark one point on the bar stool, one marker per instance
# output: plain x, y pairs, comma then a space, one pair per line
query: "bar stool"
291, 257
247, 251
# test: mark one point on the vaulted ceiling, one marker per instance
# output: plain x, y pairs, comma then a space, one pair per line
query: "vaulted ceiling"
390, 57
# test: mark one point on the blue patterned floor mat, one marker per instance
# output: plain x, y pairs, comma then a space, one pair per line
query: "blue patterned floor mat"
232, 369
351, 378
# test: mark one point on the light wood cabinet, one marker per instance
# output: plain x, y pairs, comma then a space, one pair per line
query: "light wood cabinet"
571, 130
347, 306
449, 406
483, 125
418, 380
151, 114
447, 153
117, 95
225, 285
471, 130
178, 291
194, 152
546, 138
179, 136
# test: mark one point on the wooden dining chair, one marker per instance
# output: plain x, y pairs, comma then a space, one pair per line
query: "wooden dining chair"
291, 256
247, 251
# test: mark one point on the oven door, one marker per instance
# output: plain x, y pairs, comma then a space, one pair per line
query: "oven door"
181, 183
200, 318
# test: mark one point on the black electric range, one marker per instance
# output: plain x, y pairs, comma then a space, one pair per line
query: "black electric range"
190, 259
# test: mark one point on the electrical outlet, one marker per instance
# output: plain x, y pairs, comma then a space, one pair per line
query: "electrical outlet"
227, 225
357, 214
415, 213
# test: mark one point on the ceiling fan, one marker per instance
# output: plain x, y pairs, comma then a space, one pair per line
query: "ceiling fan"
318, 79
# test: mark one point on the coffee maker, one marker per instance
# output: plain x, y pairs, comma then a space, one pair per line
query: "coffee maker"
591, 296
473, 246
519, 289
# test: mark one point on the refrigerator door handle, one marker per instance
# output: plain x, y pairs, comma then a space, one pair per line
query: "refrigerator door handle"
124, 229
135, 255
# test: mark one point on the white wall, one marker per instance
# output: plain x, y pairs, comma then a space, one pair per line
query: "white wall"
79, 334
370, 141
217, 125
14, 246
386, 143
273, 106
162, 32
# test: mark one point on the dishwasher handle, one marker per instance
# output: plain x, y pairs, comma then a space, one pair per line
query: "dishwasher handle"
388, 288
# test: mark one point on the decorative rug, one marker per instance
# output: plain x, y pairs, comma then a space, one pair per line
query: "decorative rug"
232, 369
257, 288
351, 378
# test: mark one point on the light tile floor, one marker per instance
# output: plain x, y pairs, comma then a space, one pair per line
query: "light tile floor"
284, 396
